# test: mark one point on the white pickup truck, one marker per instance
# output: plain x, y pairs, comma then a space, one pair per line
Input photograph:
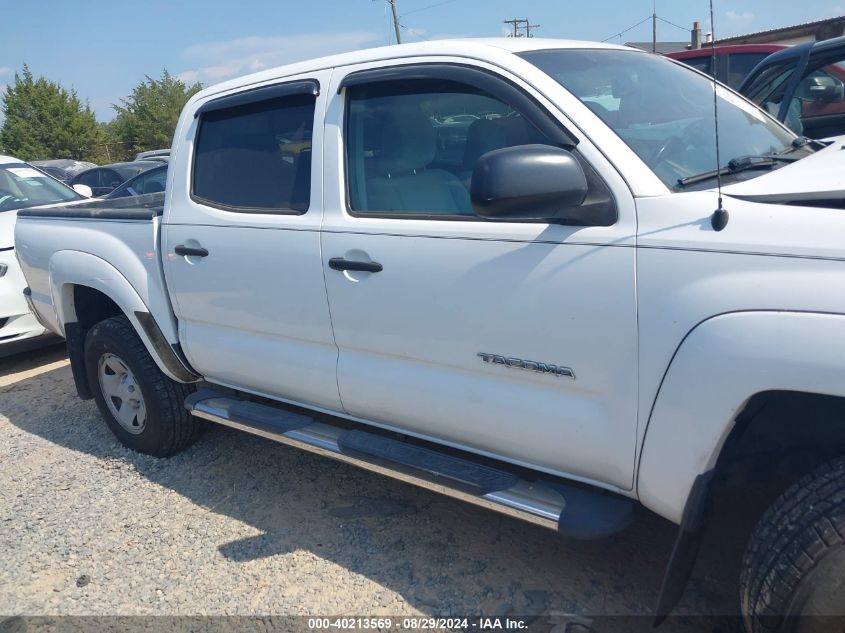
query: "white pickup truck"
492, 268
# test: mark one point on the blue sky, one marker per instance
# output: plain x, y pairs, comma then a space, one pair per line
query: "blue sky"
103, 48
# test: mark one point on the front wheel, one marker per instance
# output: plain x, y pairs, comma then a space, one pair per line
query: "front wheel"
143, 407
793, 577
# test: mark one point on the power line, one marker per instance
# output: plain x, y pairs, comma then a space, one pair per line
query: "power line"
621, 33
431, 6
677, 26
413, 32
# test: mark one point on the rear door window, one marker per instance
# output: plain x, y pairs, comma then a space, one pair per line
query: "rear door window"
740, 64
89, 178
704, 64
152, 182
256, 157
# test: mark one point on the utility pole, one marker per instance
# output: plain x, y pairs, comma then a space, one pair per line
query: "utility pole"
515, 23
395, 20
654, 26
520, 26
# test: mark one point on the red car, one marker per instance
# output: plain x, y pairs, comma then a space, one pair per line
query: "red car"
733, 63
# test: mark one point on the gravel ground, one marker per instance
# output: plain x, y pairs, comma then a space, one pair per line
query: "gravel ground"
239, 525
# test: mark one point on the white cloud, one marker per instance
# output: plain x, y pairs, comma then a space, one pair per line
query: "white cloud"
5, 70
215, 61
833, 12
736, 17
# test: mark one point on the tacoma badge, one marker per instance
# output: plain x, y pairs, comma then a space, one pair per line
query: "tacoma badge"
530, 365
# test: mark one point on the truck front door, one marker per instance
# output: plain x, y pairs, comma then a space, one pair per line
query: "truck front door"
511, 339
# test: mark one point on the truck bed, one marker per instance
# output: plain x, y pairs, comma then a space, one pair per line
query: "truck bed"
144, 207
96, 242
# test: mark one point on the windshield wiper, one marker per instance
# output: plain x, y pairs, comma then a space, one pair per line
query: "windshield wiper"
802, 141
736, 165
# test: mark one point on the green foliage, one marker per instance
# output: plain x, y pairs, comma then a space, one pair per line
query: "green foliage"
43, 120
147, 118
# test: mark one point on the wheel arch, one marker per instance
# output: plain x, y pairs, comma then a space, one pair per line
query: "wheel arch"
744, 392
86, 289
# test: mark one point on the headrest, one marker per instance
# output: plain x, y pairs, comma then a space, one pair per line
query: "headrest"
482, 136
408, 140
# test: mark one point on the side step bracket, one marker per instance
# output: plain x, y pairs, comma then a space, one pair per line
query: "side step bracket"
578, 511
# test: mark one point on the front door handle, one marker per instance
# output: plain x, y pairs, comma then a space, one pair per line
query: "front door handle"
190, 251
339, 263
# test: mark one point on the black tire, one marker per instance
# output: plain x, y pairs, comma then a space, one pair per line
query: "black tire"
793, 571
167, 426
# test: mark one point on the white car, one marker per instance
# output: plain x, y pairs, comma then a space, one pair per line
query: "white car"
547, 312
21, 186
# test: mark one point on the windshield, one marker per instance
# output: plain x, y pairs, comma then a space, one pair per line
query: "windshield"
663, 110
24, 186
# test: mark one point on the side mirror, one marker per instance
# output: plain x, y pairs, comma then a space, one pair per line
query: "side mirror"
83, 190
825, 89
528, 182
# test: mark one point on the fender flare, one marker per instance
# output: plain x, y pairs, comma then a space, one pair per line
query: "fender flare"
76, 268
717, 368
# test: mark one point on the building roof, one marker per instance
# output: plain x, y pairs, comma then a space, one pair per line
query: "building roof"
662, 47
827, 28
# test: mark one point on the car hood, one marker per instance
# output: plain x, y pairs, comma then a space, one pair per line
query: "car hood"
818, 177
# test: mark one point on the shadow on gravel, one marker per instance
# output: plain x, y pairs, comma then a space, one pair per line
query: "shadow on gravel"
441, 556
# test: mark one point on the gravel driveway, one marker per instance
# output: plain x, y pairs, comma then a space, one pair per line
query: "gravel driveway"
240, 525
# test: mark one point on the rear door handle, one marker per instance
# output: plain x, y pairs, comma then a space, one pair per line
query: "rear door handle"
190, 251
339, 263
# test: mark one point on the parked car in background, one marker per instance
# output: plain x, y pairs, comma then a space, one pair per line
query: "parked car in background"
63, 169
733, 63
803, 87
154, 154
151, 181
21, 186
107, 178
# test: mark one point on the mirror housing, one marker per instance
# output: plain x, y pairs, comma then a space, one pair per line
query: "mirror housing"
825, 90
83, 190
528, 182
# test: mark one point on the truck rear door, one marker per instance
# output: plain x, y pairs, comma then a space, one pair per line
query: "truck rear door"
241, 242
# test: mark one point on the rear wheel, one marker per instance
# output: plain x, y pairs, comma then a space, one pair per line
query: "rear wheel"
143, 407
794, 568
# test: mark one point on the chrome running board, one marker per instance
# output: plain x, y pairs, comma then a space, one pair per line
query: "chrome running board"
499, 490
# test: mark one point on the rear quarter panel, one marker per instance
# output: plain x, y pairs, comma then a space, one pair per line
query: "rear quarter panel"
128, 249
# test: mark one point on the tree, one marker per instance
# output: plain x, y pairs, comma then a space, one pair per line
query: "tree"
43, 120
147, 118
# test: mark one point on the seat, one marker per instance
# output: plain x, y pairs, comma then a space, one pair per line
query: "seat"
407, 145
248, 171
483, 136
154, 186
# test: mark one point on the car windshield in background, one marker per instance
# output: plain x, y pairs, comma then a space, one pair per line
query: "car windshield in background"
663, 110
24, 186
